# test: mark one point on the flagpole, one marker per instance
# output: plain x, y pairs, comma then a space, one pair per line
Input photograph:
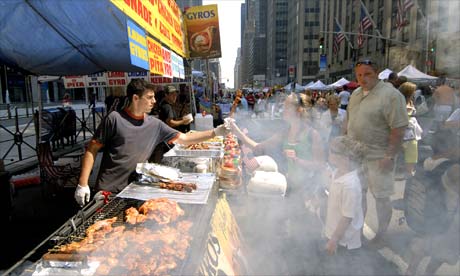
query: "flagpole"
341, 30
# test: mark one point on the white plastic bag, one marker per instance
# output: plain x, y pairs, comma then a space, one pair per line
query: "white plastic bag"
267, 184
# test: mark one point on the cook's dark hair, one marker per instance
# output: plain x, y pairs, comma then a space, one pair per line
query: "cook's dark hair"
138, 87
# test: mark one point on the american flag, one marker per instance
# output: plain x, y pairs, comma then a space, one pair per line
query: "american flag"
249, 162
339, 37
364, 24
403, 7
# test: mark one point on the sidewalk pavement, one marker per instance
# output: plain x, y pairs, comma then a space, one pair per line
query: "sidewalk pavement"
398, 237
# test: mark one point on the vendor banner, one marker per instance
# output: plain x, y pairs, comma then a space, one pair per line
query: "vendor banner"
137, 45
137, 75
176, 60
167, 63
160, 18
116, 79
96, 80
155, 57
160, 80
181, 69
74, 82
202, 23
225, 252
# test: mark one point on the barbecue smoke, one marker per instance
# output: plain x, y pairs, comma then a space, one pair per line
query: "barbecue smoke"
283, 237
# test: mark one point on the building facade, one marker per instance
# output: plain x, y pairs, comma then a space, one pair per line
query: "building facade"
429, 40
277, 35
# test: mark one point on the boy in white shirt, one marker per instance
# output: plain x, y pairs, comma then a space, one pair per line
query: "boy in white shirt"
345, 218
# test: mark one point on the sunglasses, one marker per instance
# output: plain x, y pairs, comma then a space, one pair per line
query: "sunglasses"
364, 62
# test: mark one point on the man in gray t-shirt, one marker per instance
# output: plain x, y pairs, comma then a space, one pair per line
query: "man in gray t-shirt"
128, 137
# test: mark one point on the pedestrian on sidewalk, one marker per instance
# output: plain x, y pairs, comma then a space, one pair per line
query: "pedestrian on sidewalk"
377, 117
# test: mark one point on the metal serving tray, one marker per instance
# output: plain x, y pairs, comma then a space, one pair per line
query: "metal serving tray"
213, 153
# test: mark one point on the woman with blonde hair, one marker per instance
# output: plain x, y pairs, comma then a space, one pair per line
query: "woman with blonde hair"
413, 132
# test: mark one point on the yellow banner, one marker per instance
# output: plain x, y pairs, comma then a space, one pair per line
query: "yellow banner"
160, 18
224, 252
155, 57
203, 31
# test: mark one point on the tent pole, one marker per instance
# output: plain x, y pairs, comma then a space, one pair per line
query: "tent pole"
192, 94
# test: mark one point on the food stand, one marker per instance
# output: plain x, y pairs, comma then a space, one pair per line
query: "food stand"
104, 239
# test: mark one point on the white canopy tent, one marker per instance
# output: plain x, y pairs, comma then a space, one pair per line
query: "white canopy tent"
340, 83
412, 73
384, 74
298, 87
319, 85
308, 84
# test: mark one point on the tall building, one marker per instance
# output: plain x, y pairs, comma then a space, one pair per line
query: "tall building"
429, 40
247, 43
303, 51
277, 12
236, 70
260, 43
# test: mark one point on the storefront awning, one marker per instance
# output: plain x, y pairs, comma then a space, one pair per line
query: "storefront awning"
64, 37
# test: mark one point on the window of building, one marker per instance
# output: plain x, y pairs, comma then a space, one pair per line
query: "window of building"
443, 8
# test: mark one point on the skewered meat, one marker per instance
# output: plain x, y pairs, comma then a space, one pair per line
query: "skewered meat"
178, 186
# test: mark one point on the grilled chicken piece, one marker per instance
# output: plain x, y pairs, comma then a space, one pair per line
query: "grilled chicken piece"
102, 225
103, 269
165, 264
162, 210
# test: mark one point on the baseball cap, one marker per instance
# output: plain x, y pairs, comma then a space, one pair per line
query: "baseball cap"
170, 89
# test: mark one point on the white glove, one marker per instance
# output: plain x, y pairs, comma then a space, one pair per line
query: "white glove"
221, 130
82, 194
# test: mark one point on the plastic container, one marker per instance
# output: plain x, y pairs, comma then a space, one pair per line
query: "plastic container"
203, 122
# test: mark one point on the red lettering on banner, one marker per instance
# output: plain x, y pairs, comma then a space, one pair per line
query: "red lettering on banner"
154, 48
166, 55
115, 74
177, 27
164, 31
163, 11
172, 4
168, 69
156, 65
117, 82
177, 42
140, 9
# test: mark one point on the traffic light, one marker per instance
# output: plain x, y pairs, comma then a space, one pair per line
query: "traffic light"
321, 43
433, 46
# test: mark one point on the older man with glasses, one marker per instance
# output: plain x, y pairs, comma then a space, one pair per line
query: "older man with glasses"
377, 117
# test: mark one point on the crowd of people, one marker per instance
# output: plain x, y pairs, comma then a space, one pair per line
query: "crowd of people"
345, 142
353, 138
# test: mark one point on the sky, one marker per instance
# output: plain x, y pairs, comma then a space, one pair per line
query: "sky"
229, 25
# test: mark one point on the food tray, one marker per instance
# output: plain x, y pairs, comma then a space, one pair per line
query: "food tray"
213, 153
